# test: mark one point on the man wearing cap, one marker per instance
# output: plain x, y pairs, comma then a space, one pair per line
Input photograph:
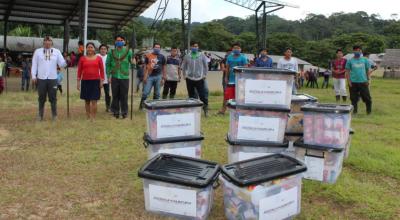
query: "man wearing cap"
44, 74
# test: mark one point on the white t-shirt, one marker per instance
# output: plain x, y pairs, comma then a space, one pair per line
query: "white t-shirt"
104, 58
288, 64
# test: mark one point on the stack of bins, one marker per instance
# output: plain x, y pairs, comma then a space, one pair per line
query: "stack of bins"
173, 126
259, 114
326, 133
262, 188
179, 187
294, 129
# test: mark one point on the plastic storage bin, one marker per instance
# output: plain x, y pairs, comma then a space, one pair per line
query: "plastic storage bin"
348, 144
323, 163
327, 124
190, 147
247, 123
179, 187
262, 188
244, 150
295, 120
264, 87
173, 118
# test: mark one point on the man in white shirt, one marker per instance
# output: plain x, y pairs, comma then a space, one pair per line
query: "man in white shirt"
103, 49
289, 63
44, 73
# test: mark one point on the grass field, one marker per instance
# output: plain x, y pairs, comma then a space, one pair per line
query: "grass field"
77, 169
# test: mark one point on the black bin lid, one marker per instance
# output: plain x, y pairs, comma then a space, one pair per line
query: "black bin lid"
303, 98
233, 105
180, 170
228, 139
149, 140
264, 70
300, 143
172, 103
327, 108
262, 169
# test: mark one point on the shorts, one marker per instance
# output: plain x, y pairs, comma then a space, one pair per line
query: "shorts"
229, 92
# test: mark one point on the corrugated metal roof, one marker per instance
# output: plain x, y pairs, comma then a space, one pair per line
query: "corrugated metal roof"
107, 14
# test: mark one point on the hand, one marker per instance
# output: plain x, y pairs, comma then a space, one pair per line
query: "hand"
101, 84
34, 81
109, 80
226, 81
350, 84
144, 80
78, 86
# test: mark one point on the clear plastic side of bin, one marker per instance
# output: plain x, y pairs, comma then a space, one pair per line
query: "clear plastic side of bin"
194, 203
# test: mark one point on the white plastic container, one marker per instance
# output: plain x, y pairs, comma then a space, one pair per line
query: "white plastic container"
295, 120
190, 147
262, 188
244, 150
179, 187
292, 138
327, 124
266, 125
173, 118
324, 164
264, 87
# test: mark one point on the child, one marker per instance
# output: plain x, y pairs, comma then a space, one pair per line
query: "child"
60, 77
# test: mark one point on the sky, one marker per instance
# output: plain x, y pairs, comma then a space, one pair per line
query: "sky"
207, 10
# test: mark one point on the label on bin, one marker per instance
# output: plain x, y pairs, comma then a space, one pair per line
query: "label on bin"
175, 125
182, 151
315, 168
279, 206
248, 156
258, 128
265, 92
173, 200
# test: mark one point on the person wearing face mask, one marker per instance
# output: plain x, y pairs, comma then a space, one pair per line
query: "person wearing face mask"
103, 49
44, 74
117, 67
358, 72
154, 73
90, 79
195, 68
264, 60
173, 74
236, 58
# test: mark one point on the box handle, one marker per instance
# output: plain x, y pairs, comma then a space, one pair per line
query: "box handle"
313, 155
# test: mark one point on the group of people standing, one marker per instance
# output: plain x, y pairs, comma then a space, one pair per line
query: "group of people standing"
109, 70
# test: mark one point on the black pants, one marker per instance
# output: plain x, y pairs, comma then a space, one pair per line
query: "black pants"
47, 87
59, 87
107, 97
25, 83
169, 87
326, 82
199, 86
120, 88
358, 90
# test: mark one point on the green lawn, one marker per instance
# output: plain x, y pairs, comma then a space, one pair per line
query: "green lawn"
78, 169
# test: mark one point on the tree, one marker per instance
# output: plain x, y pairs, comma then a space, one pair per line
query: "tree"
213, 36
277, 43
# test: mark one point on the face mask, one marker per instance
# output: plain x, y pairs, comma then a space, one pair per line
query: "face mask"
156, 51
236, 52
263, 55
357, 54
195, 50
119, 44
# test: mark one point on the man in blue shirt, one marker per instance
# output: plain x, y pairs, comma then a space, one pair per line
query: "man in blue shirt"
358, 71
264, 60
236, 58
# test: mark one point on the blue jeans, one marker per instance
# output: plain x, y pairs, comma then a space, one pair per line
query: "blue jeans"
152, 81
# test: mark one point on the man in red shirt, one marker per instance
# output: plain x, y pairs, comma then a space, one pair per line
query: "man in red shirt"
339, 76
